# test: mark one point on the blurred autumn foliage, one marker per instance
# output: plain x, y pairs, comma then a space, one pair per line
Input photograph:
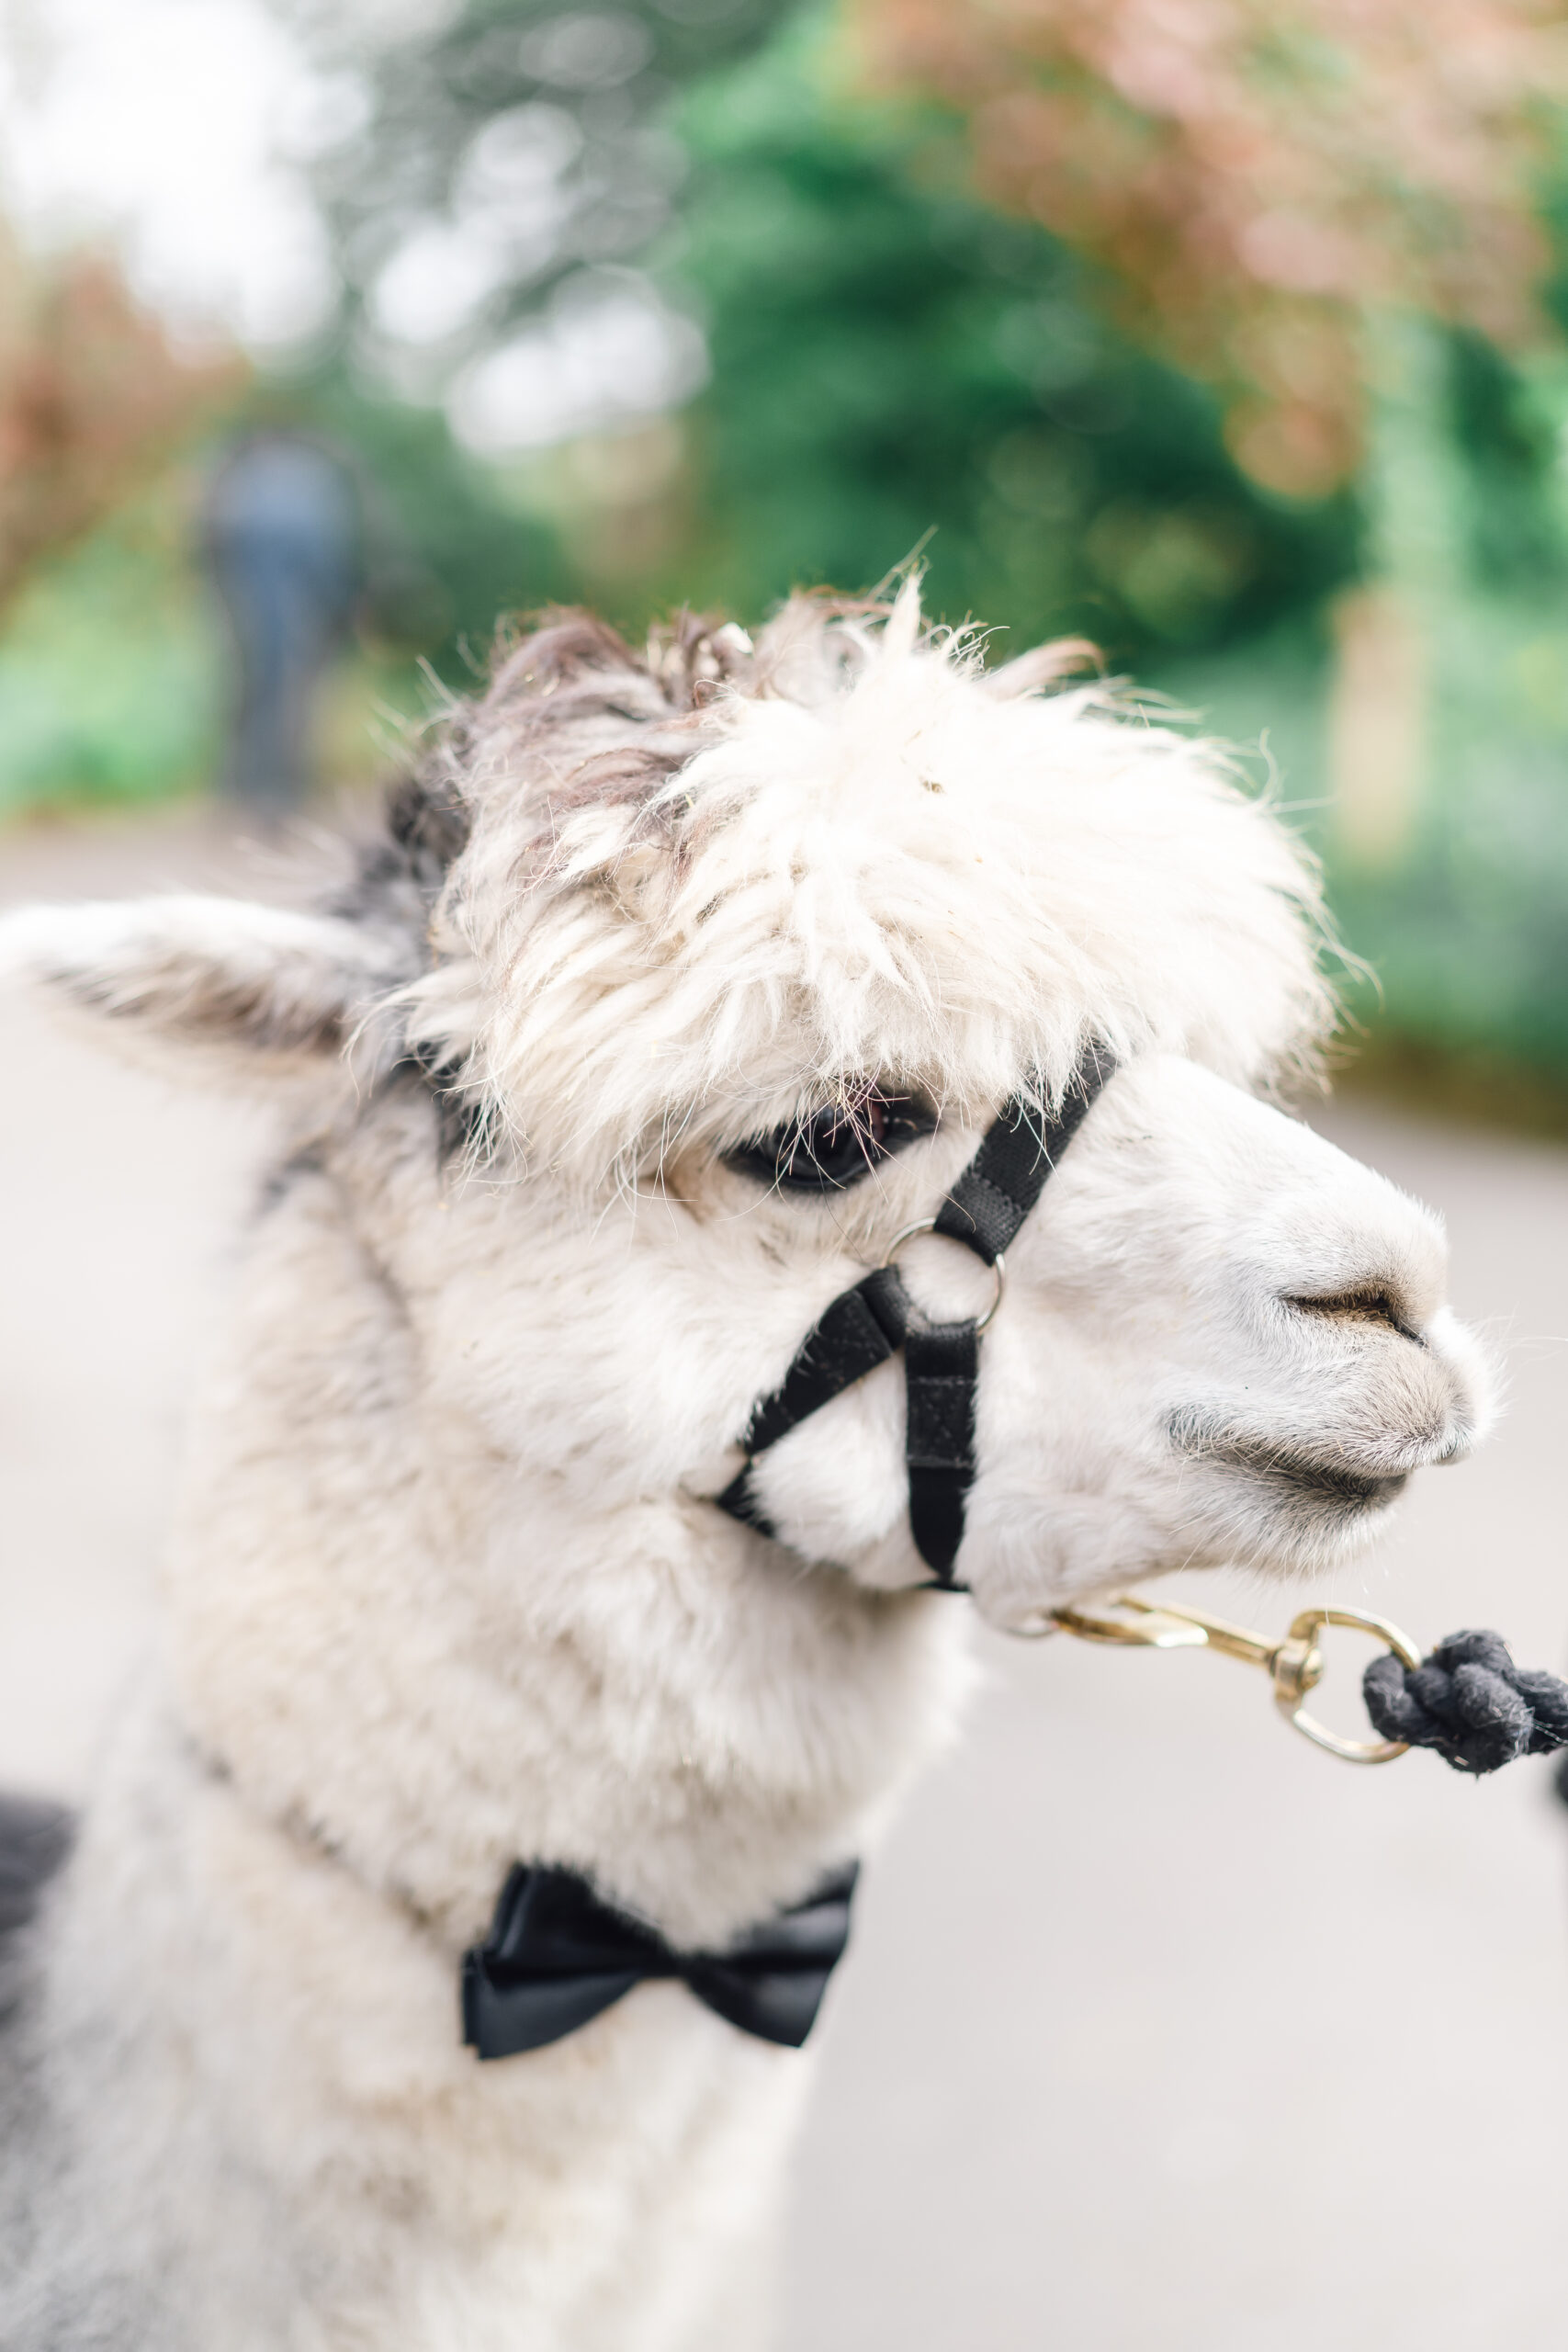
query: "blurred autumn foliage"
1258, 177
91, 398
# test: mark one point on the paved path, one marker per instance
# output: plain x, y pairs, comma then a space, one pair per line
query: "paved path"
1163, 2033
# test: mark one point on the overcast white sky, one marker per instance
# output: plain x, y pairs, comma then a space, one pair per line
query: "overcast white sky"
175, 129
165, 123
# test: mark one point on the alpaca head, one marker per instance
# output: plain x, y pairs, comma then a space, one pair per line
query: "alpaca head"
687, 980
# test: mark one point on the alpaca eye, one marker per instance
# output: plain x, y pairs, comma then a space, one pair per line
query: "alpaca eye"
835, 1146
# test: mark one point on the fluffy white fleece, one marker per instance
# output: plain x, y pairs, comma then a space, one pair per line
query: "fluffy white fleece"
446, 1589
868, 857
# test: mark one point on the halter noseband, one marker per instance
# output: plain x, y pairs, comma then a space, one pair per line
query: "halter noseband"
866, 1325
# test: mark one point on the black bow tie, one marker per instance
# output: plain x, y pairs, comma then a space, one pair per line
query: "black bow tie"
556, 1956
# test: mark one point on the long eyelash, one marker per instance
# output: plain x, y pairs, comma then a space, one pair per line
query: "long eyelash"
809, 1155
850, 1122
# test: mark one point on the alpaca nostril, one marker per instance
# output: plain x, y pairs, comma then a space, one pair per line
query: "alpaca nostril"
1372, 1304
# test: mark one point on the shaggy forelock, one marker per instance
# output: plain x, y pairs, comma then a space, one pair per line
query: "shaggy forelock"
706, 889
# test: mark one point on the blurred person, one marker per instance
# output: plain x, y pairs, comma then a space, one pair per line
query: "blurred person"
284, 540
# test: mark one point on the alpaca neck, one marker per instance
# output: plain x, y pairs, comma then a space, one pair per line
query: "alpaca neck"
423, 1650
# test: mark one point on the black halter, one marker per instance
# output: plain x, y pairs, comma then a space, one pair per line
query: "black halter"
864, 1326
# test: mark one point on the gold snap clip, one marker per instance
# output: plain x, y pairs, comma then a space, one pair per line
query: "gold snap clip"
1294, 1665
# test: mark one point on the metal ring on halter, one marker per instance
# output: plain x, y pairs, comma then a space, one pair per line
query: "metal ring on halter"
928, 1225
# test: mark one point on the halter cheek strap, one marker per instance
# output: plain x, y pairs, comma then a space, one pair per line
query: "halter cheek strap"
866, 1325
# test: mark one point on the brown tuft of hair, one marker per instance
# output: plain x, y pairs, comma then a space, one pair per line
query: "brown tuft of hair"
563, 642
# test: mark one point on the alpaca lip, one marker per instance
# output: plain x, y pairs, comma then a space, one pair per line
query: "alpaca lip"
1285, 1467
1328, 1482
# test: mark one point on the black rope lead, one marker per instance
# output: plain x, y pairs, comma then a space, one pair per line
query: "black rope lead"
1470, 1702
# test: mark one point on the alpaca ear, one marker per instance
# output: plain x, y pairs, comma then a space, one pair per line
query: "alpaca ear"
222, 972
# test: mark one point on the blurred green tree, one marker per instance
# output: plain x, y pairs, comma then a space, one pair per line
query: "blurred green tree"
496, 167
1258, 175
490, 151
891, 359
1119, 386
888, 356
1134, 408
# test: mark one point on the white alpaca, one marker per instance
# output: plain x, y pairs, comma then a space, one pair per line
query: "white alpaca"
448, 1590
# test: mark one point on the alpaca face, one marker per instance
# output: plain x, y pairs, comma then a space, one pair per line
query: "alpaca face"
1221, 1339
707, 994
